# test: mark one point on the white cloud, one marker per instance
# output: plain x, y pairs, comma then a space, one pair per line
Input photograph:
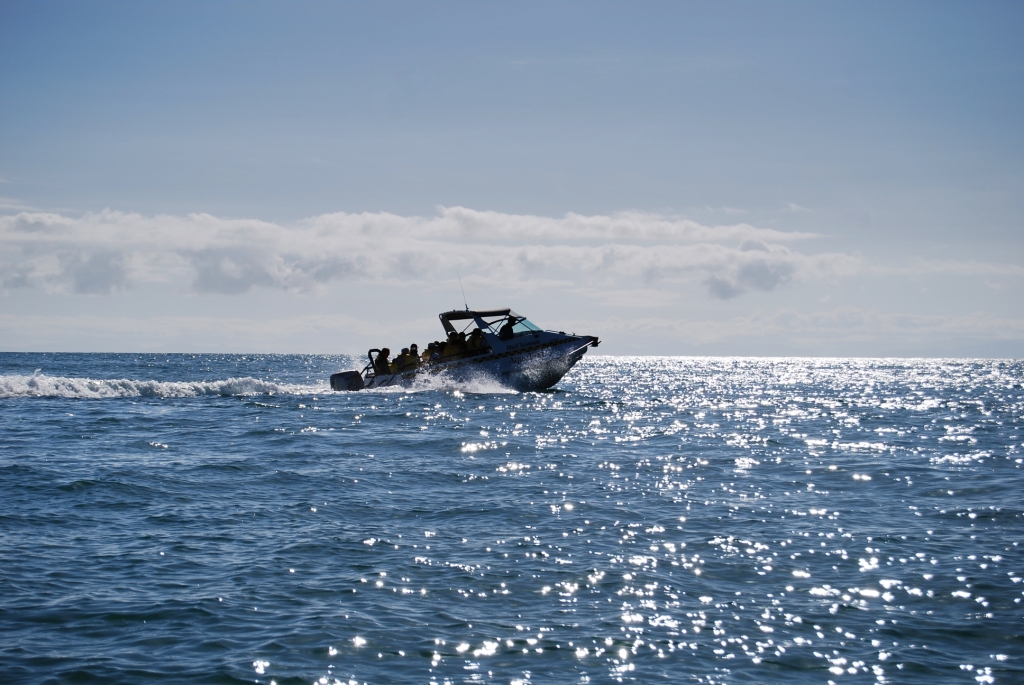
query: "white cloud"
924, 267
110, 251
640, 298
12, 202
844, 331
309, 333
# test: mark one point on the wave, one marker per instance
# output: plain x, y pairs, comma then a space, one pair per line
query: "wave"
40, 385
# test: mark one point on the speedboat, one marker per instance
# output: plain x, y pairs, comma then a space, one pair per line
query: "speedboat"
492, 345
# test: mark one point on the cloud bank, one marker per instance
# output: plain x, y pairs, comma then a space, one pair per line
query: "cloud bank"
110, 251
842, 331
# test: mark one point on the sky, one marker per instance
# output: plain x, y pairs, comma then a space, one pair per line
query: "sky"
678, 178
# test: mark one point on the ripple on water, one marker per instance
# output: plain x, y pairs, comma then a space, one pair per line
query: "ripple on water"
709, 520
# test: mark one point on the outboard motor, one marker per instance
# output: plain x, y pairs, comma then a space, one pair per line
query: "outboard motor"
347, 380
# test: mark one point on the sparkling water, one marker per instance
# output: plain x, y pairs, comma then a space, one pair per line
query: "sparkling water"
228, 518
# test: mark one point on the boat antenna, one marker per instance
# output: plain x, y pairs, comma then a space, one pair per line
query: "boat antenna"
463, 290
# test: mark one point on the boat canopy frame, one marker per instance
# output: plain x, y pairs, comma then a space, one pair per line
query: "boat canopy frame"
476, 316
520, 323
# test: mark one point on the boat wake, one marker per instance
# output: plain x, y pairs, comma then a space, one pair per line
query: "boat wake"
41, 385
474, 385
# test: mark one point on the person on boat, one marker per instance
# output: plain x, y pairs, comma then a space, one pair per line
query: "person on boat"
381, 366
451, 347
457, 345
438, 353
428, 354
414, 355
475, 343
408, 360
506, 332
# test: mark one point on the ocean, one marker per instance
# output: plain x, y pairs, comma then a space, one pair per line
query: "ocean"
228, 519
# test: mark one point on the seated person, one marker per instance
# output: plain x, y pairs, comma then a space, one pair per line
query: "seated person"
476, 342
380, 365
451, 347
428, 353
409, 359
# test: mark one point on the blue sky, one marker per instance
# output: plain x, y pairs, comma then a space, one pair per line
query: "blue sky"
678, 178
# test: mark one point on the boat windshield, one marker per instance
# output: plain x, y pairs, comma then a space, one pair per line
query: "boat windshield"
523, 325
509, 326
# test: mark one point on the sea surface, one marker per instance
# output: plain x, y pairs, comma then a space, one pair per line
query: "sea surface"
229, 519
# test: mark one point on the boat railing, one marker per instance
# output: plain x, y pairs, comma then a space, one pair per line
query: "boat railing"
371, 366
